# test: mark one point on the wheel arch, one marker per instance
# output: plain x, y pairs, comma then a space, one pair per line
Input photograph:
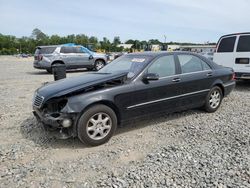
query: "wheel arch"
108, 103
219, 84
57, 61
100, 59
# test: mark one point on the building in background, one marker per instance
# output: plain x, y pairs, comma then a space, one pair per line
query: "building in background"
173, 47
198, 48
125, 46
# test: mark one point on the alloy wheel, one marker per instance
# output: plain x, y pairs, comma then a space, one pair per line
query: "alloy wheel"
99, 65
99, 126
214, 99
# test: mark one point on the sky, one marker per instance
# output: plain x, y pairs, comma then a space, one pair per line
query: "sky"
179, 20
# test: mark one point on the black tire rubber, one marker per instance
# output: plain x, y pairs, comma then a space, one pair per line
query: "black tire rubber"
82, 123
207, 106
96, 69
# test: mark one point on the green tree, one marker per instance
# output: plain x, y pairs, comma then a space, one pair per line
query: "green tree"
38, 34
130, 41
116, 41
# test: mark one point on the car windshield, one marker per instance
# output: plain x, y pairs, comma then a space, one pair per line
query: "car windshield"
130, 64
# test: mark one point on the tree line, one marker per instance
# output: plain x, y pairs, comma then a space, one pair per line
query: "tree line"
10, 45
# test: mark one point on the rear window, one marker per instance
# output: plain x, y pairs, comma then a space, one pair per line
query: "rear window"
227, 44
244, 44
46, 50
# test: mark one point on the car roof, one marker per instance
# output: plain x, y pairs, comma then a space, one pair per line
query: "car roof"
155, 54
48, 46
233, 34
60, 45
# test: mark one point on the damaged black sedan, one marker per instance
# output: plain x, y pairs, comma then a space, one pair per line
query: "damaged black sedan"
91, 106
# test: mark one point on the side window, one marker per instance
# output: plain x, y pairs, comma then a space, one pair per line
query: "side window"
190, 63
226, 44
244, 44
164, 66
78, 50
205, 65
67, 50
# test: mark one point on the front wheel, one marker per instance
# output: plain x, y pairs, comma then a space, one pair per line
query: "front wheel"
99, 64
213, 99
97, 125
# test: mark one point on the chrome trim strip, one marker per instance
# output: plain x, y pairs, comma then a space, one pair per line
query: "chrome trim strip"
230, 84
177, 74
184, 74
164, 99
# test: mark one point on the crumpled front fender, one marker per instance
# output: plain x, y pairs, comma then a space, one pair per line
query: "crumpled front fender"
76, 104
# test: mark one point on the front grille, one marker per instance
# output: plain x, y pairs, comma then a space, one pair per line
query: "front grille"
38, 100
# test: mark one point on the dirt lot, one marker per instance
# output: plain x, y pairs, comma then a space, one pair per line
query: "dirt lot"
187, 149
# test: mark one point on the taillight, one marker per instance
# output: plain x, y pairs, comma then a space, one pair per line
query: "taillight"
40, 57
233, 76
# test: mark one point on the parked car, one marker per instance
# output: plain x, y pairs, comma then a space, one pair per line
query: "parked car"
72, 56
234, 51
91, 106
209, 55
24, 55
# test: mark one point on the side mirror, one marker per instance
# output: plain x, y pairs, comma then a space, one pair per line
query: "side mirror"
151, 77
91, 57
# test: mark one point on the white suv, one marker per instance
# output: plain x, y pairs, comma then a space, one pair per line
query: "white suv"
234, 51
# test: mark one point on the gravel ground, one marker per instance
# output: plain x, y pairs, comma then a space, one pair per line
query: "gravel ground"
186, 149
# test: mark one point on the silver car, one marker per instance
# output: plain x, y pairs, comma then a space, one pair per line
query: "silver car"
73, 57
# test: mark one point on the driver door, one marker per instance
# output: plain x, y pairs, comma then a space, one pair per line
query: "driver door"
82, 58
156, 95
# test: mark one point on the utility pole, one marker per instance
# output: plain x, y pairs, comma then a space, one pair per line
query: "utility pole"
165, 39
165, 45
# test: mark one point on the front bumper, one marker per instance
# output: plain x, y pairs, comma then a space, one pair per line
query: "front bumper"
54, 120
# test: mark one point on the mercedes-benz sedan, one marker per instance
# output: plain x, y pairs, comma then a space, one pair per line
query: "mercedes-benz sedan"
91, 106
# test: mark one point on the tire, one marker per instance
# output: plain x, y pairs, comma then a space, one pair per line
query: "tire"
213, 99
93, 129
99, 64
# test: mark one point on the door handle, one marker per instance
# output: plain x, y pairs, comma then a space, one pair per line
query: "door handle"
209, 74
176, 80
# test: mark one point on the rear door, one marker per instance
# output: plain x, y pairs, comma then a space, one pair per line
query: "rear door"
242, 55
225, 52
196, 79
68, 56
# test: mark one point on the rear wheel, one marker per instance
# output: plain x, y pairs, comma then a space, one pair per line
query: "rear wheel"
97, 125
213, 99
99, 64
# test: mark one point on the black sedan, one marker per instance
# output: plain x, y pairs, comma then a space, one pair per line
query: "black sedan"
91, 106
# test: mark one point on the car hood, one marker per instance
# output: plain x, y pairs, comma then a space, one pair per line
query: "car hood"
74, 84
